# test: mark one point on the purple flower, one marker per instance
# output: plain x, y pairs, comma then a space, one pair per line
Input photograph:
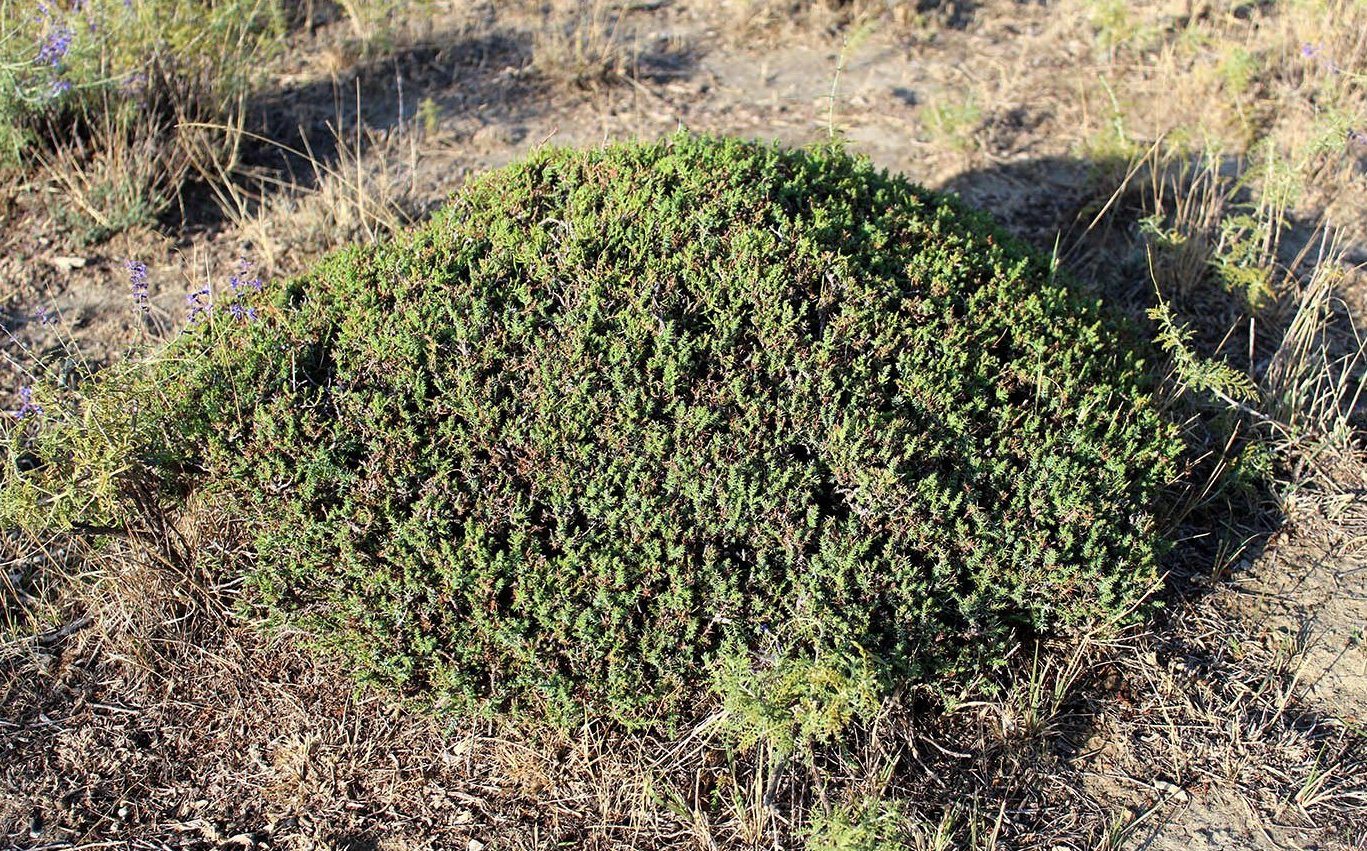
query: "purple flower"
242, 314
1357, 137
137, 278
198, 304
241, 281
55, 46
1312, 51
134, 84
46, 316
27, 408
58, 88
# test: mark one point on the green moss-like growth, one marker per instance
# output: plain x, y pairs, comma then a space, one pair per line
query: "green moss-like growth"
616, 419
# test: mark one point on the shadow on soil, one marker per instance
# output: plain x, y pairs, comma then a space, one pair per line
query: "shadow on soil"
485, 76
1071, 207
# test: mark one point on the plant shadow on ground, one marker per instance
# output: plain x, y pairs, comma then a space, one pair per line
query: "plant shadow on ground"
300, 132
956, 14
1021, 769
1091, 216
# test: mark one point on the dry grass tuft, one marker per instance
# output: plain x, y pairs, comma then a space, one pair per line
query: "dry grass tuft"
752, 23
364, 193
582, 44
362, 189
113, 179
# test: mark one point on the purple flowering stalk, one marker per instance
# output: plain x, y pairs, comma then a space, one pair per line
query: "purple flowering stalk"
27, 407
137, 278
244, 280
54, 48
198, 305
242, 283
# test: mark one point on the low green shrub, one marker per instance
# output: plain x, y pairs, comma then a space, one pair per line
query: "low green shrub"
619, 424
867, 825
791, 703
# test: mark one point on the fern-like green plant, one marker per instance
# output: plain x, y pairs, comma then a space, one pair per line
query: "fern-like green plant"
1195, 373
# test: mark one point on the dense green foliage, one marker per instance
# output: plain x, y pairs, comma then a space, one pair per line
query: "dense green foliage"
617, 423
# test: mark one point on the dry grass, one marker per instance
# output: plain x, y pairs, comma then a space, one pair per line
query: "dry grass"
362, 193
1281, 90
583, 44
113, 179
361, 190
755, 23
